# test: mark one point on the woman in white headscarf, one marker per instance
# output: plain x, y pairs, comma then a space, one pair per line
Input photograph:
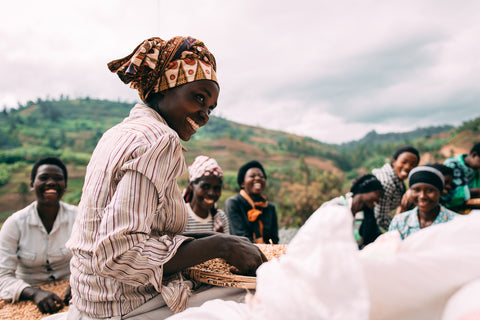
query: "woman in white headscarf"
201, 195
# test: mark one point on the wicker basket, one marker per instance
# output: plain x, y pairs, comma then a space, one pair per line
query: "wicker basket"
222, 279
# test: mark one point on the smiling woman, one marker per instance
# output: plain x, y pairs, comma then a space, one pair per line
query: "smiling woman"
201, 195
32, 240
249, 212
392, 175
426, 183
128, 239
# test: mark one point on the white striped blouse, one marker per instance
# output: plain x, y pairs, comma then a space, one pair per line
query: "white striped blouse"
130, 218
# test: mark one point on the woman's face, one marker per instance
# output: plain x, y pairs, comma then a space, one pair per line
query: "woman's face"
425, 197
366, 200
49, 184
206, 191
404, 163
254, 182
187, 107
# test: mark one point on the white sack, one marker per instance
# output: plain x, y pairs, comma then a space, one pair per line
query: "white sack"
319, 277
414, 278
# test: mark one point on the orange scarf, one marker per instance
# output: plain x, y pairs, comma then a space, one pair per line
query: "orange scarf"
254, 213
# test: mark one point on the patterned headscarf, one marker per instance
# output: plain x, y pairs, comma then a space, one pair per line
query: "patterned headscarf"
202, 166
157, 65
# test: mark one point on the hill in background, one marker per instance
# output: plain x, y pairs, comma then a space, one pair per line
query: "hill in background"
302, 172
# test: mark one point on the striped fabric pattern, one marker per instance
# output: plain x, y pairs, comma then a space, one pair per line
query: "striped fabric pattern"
196, 224
130, 220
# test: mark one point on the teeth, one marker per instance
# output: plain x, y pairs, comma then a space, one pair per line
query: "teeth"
209, 201
194, 125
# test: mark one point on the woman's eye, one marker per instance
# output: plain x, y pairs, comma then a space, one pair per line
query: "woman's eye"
200, 98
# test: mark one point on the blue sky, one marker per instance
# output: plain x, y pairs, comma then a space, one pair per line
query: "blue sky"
331, 70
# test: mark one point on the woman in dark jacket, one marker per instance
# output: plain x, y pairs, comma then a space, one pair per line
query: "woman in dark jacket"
249, 212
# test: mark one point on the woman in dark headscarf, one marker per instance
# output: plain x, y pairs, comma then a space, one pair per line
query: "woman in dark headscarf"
127, 243
249, 212
426, 185
364, 195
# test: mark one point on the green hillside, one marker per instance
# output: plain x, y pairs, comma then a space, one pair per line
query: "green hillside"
302, 172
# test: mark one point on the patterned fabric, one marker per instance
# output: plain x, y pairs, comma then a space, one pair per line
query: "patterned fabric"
157, 65
196, 224
29, 255
130, 219
393, 188
464, 178
407, 222
204, 166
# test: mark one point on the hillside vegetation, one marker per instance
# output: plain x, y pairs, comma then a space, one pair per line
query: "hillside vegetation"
302, 172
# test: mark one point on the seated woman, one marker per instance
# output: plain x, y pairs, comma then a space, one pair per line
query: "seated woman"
249, 212
32, 240
447, 172
201, 196
392, 175
364, 195
127, 243
427, 185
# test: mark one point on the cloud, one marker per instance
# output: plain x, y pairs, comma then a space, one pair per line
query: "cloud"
332, 70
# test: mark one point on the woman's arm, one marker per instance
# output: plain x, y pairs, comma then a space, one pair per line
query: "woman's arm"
10, 286
237, 251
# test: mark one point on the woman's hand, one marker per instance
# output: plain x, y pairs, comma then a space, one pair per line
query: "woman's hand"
237, 251
244, 255
46, 301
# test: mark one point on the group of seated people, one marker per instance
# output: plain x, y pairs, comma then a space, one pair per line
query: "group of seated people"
32, 241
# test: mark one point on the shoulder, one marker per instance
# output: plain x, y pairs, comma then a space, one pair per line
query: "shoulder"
19, 218
384, 174
69, 209
407, 215
23, 213
454, 161
234, 199
447, 212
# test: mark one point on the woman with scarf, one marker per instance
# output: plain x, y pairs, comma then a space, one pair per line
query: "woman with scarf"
249, 212
201, 195
127, 243
426, 185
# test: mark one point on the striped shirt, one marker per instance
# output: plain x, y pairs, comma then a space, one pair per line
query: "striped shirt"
393, 188
197, 224
130, 219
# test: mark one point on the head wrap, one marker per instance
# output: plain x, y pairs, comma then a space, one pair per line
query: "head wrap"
157, 65
204, 166
366, 183
243, 170
427, 175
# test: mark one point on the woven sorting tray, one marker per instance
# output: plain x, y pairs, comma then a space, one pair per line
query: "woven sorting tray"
27, 310
217, 271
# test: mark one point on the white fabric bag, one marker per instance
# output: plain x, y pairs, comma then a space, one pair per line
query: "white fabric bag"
414, 278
